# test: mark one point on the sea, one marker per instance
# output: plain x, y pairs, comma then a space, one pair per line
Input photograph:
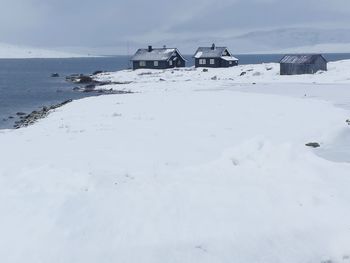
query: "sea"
27, 84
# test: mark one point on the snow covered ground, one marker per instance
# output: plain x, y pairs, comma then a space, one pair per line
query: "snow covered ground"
193, 167
12, 51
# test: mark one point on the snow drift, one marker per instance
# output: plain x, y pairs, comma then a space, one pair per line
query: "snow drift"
188, 169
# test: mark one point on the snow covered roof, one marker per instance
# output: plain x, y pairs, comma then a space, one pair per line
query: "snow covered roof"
213, 52
301, 58
229, 58
156, 54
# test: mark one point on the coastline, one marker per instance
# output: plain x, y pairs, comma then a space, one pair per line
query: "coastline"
34, 116
26, 120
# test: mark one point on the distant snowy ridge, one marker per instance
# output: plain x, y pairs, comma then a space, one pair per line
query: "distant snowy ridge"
273, 41
319, 48
12, 51
292, 40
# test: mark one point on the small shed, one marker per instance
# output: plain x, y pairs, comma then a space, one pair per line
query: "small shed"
298, 64
214, 57
158, 58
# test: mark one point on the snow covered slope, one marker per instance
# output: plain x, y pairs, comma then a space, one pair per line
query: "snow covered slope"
185, 170
11, 51
338, 72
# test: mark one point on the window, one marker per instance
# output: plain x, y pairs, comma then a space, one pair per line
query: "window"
230, 62
170, 62
142, 63
202, 61
156, 63
212, 61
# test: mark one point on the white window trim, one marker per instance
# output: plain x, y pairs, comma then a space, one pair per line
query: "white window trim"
212, 61
142, 63
170, 62
156, 63
202, 61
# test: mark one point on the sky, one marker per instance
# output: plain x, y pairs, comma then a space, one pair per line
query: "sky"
120, 25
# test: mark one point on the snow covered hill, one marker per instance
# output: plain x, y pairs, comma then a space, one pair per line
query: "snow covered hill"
193, 167
338, 72
11, 51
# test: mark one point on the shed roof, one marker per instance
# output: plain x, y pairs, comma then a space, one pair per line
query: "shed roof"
157, 54
211, 52
301, 58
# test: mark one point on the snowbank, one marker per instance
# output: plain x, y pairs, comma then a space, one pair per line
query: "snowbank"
338, 72
186, 170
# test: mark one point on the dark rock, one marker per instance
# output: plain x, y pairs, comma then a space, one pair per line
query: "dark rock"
89, 88
254, 83
84, 79
145, 73
243, 73
348, 121
72, 77
76, 88
80, 78
205, 70
97, 72
36, 115
214, 78
20, 113
11, 117
269, 68
313, 144
119, 83
55, 75
161, 79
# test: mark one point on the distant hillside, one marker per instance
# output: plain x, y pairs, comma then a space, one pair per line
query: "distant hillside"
11, 51
274, 41
298, 39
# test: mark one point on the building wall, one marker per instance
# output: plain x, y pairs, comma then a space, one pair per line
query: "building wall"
226, 64
161, 64
298, 69
208, 65
218, 63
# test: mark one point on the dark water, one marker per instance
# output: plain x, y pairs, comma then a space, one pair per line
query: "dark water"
26, 84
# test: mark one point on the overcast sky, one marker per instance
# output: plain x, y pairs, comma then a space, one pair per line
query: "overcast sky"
109, 23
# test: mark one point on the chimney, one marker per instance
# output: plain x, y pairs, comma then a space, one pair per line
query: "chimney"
150, 48
213, 47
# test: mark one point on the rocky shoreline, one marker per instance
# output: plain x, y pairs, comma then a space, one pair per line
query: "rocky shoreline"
86, 83
33, 117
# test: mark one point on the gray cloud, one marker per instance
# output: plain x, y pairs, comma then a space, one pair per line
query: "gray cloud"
110, 23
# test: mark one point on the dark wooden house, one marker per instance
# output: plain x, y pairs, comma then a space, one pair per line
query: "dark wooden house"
302, 64
214, 57
158, 58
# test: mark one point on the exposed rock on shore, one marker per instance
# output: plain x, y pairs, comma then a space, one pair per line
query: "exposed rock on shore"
88, 84
313, 145
33, 117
